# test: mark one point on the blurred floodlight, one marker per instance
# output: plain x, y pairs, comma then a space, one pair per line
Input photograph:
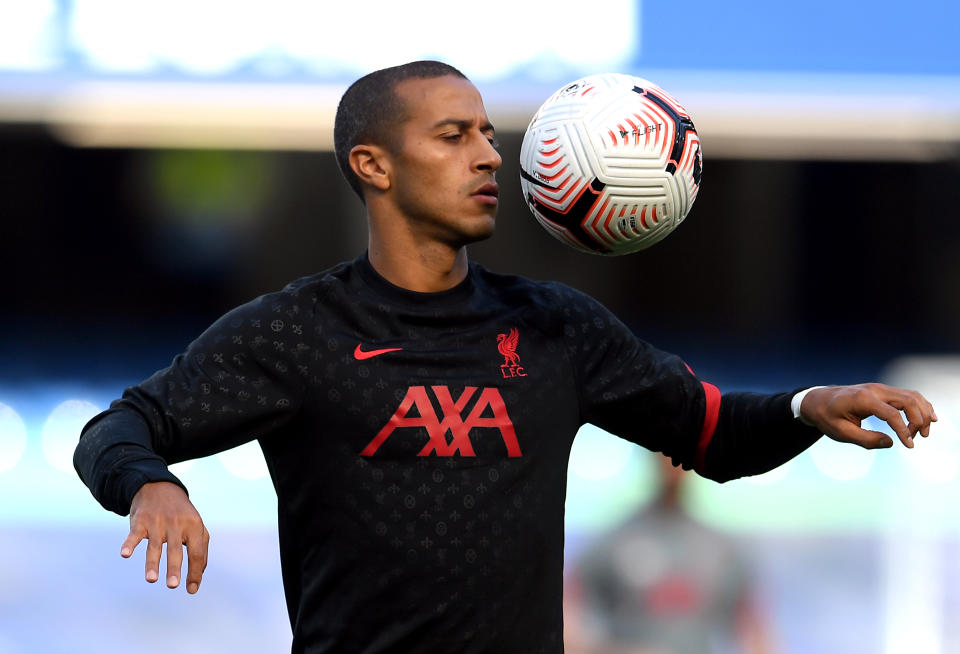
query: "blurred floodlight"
245, 461
937, 377
427, 29
219, 36
61, 432
27, 35
937, 458
182, 469
113, 35
842, 461
13, 438
201, 38
599, 455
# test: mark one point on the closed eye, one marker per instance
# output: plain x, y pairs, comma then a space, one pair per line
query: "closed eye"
458, 136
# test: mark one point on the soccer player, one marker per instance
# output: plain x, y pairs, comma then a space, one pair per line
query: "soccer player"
416, 411
664, 583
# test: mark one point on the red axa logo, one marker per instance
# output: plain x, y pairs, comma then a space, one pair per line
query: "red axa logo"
489, 411
507, 344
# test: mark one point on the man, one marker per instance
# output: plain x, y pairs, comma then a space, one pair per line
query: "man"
416, 411
664, 583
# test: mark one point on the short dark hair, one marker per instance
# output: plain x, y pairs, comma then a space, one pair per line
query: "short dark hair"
370, 110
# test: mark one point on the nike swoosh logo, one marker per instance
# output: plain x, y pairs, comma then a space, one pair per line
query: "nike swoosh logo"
360, 355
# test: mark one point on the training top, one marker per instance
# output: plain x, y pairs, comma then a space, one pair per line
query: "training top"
663, 582
418, 444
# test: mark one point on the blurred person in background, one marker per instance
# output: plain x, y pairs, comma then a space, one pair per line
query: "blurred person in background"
664, 583
416, 411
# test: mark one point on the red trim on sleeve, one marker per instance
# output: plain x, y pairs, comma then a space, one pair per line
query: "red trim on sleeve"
710, 417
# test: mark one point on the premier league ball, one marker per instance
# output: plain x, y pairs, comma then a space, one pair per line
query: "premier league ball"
610, 164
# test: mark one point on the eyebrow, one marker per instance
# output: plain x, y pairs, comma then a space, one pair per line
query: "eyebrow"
463, 124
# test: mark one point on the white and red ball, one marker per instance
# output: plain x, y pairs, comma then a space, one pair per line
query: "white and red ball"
610, 164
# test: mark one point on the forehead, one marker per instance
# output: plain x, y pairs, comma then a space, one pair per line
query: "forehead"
428, 101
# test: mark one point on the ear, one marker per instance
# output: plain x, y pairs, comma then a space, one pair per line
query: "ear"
371, 163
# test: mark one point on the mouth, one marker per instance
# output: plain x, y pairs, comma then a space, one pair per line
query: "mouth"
488, 193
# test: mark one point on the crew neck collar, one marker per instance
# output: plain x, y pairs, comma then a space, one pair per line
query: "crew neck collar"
405, 296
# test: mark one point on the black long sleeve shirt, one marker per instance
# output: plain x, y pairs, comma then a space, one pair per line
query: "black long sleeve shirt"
418, 444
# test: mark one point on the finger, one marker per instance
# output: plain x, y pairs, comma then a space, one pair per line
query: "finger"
911, 407
197, 560
152, 564
867, 438
928, 410
892, 417
174, 560
130, 543
919, 410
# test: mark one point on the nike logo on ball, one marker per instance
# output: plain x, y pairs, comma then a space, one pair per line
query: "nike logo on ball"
360, 355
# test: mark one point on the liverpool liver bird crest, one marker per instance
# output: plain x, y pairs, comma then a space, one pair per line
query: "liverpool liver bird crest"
507, 344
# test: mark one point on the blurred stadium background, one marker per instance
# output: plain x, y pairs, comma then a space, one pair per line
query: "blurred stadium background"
163, 162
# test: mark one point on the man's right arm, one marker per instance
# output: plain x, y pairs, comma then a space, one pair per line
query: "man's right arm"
116, 461
115, 457
241, 379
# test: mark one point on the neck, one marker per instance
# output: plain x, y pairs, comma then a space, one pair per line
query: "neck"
410, 256
426, 268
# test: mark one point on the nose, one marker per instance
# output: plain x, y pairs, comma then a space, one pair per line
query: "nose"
488, 159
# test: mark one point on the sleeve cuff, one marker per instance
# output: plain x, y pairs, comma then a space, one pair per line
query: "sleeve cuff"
132, 480
798, 400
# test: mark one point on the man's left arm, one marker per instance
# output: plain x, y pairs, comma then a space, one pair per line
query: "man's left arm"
753, 433
652, 398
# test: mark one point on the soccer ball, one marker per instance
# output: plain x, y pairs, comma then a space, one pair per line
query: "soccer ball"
610, 164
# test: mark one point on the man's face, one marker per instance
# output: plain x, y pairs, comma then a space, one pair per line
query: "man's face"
443, 174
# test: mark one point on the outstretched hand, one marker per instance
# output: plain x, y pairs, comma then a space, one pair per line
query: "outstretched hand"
838, 410
162, 513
